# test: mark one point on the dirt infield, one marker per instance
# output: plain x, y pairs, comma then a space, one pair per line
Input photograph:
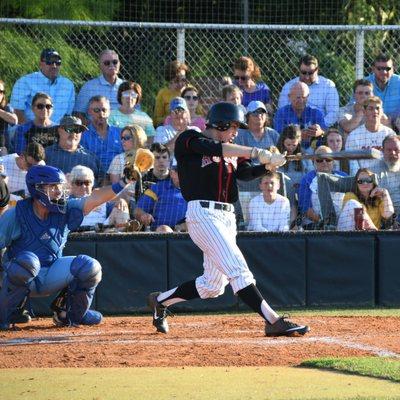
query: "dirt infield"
223, 340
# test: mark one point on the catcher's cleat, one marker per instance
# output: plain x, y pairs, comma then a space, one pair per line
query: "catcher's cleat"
91, 317
159, 313
20, 316
283, 327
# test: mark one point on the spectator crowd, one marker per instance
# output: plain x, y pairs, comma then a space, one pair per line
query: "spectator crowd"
89, 134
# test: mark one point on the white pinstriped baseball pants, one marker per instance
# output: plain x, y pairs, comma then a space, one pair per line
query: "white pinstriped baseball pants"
214, 232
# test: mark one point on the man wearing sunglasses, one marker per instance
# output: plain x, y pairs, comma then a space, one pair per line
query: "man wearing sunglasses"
106, 84
47, 80
208, 166
323, 92
386, 84
101, 138
68, 152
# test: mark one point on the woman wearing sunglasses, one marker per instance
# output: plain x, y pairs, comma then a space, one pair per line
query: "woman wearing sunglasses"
132, 138
366, 206
247, 76
309, 205
41, 130
7, 117
129, 96
191, 95
176, 77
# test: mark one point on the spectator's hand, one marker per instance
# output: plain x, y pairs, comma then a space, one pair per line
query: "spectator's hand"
315, 130
146, 219
379, 192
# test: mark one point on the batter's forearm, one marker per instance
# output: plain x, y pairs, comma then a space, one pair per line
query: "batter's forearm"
236, 150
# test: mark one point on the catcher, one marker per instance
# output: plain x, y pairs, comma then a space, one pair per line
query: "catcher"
34, 262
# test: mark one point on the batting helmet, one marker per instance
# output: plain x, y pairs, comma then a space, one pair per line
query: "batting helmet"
222, 114
39, 175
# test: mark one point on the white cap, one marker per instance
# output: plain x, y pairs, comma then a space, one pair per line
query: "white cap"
255, 105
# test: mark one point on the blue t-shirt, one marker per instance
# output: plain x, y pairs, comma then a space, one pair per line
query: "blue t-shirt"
262, 93
105, 149
164, 202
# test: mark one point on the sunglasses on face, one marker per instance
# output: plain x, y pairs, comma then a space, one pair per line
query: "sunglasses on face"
321, 160
57, 62
364, 180
97, 110
257, 112
195, 98
72, 131
178, 111
241, 78
309, 73
126, 138
107, 63
81, 183
130, 93
2, 91
386, 69
41, 106
367, 92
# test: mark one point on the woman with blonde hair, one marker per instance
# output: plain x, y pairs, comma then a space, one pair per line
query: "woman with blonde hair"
133, 137
372, 203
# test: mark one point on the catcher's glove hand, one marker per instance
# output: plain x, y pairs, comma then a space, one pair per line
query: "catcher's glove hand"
131, 173
144, 160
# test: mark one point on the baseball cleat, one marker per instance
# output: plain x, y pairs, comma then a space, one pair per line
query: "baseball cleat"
20, 316
159, 313
283, 327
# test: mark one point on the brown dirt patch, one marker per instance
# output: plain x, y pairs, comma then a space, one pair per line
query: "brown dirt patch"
194, 341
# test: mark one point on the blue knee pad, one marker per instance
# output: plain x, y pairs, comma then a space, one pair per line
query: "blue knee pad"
22, 269
87, 271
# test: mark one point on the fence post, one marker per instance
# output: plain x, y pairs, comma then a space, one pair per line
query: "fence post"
360, 53
180, 45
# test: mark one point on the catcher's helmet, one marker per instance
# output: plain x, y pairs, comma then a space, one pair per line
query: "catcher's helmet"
39, 175
221, 114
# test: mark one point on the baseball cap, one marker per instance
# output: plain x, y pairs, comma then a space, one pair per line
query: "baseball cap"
255, 105
69, 121
178, 102
49, 54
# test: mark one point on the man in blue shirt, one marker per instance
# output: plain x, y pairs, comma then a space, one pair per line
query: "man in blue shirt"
47, 80
68, 152
310, 119
100, 138
106, 84
162, 205
386, 84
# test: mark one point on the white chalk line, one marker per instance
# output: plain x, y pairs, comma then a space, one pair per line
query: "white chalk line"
264, 342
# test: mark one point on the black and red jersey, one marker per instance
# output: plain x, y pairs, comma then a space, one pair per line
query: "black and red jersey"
204, 174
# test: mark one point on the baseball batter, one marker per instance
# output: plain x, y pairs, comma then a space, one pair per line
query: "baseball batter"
208, 166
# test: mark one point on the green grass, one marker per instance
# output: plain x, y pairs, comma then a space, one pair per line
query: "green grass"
383, 368
190, 383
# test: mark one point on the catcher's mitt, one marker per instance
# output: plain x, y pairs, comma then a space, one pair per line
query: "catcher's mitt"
131, 173
144, 160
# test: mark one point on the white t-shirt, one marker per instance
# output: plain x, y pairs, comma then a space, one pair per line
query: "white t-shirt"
266, 217
361, 138
96, 216
16, 176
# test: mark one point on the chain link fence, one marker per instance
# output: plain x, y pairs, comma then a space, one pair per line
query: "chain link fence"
344, 52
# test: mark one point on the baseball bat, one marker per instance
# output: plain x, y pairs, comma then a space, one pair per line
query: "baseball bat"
367, 154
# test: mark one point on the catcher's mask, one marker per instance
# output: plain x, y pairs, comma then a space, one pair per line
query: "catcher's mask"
41, 176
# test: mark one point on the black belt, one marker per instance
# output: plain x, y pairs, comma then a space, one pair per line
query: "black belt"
217, 206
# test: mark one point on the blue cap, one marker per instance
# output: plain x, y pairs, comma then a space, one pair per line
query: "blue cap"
178, 102
255, 105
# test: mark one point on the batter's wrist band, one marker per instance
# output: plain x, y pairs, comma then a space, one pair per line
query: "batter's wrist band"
117, 187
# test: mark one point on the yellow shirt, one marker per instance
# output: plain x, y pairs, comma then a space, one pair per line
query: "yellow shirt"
374, 212
161, 108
